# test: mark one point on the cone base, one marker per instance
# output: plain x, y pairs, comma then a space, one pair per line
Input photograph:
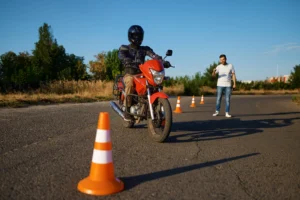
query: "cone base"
201, 102
177, 111
192, 106
92, 187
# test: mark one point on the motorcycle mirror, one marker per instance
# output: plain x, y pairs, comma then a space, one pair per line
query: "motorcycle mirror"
169, 52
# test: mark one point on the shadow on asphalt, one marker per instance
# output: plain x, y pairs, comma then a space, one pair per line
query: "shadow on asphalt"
222, 129
197, 111
131, 182
266, 114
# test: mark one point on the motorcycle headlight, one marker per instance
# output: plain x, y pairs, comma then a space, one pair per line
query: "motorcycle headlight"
158, 76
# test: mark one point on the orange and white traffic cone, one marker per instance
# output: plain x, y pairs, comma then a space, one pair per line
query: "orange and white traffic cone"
193, 102
101, 180
178, 108
202, 100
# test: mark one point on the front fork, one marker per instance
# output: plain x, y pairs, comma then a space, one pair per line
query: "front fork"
162, 108
150, 104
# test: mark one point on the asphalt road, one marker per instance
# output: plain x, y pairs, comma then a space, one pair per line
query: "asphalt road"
46, 150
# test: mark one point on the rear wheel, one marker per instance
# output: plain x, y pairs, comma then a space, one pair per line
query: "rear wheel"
160, 128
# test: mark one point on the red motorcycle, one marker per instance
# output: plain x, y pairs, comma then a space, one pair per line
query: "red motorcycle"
148, 101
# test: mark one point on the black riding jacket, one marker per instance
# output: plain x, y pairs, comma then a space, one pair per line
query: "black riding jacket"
132, 57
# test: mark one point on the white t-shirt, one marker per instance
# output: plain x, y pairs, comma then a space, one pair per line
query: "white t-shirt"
225, 75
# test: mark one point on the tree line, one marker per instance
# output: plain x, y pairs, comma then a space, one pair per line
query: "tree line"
193, 84
49, 62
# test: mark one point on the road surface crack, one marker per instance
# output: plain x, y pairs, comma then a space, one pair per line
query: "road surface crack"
198, 151
20, 148
242, 184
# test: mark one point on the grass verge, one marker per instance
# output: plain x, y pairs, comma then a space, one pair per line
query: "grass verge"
92, 91
23, 100
296, 99
60, 92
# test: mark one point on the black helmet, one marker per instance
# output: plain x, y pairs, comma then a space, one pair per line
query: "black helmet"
136, 35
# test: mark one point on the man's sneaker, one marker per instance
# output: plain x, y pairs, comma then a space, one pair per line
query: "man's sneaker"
216, 114
227, 115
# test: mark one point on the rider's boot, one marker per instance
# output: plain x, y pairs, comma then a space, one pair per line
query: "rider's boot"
127, 116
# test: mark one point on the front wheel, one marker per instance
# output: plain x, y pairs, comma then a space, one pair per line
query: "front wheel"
160, 128
128, 124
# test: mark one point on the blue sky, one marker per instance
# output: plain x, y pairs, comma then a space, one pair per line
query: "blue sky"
255, 35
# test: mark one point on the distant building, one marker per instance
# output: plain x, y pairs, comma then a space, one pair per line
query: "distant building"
275, 79
246, 81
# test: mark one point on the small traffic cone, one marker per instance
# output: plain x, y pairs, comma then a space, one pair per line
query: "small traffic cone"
193, 102
202, 100
178, 109
101, 180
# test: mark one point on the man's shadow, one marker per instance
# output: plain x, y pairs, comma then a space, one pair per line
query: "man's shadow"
222, 129
268, 114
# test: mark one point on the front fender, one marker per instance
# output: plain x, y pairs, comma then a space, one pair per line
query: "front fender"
156, 95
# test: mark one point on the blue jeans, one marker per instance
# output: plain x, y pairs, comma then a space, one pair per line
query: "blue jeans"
220, 91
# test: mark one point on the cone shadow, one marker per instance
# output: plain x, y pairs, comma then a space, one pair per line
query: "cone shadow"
131, 182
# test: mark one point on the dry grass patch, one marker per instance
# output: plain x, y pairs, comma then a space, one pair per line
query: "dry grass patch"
87, 88
90, 91
296, 99
60, 92
174, 90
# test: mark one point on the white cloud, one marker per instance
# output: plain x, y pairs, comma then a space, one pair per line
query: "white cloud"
282, 48
293, 47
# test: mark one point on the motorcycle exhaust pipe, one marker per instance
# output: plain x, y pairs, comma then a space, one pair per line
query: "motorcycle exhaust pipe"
117, 109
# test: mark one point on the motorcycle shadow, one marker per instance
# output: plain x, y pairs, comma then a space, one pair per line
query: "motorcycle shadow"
197, 111
222, 129
140, 125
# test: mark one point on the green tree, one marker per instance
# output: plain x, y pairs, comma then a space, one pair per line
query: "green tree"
28, 74
48, 62
295, 78
17, 71
192, 85
42, 52
79, 70
8, 67
208, 79
113, 64
32, 75
98, 68
53, 60
59, 63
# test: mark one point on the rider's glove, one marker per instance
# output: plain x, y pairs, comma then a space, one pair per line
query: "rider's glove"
167, 64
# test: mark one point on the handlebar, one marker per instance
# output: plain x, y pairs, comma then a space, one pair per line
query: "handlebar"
135, 62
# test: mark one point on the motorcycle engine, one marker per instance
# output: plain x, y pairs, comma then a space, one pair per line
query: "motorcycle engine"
134, 109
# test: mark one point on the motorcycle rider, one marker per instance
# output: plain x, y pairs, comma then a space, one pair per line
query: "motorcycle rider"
132, 56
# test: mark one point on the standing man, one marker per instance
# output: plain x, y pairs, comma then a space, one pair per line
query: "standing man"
226, 74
